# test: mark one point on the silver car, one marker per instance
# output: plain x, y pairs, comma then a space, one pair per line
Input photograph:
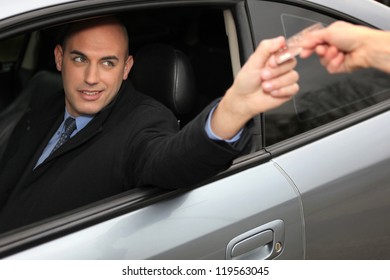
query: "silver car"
315, 184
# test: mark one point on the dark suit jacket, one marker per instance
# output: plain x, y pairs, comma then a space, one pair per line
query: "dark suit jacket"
133, 142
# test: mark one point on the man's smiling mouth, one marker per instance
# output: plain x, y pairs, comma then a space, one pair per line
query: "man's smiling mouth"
91, 93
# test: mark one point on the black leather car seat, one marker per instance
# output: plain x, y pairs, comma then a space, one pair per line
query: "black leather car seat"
42, 81
165, 74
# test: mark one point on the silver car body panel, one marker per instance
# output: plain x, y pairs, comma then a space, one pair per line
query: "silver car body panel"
363, 10
212, 216
344, 183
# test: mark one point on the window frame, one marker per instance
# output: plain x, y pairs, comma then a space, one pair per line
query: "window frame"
324, 130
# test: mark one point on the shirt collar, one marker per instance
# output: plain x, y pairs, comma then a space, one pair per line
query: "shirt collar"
81, 121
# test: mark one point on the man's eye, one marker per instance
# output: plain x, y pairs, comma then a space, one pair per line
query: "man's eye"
108, 63
79, 59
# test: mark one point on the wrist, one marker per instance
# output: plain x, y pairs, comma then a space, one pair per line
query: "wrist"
378, 55
229, 117
376, 51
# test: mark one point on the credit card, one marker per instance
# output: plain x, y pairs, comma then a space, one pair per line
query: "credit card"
293, 44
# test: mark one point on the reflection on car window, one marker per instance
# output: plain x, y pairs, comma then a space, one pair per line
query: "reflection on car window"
9, 52
323, 97
323, 104
349, 94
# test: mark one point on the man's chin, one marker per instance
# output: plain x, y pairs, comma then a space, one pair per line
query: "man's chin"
85, 111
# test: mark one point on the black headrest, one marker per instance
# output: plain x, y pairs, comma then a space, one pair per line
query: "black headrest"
165, 74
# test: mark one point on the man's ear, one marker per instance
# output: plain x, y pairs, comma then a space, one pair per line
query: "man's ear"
58, 53
128, 65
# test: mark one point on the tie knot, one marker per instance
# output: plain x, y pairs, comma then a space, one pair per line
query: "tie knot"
70, 126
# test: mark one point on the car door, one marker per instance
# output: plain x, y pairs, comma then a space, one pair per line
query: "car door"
331, 140
250, 211
216, 221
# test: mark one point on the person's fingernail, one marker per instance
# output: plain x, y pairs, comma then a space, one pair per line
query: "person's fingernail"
283, 57
267, 86
266, 74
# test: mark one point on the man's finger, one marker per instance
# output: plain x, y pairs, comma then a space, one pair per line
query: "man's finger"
270, 72
265, 49
280, 82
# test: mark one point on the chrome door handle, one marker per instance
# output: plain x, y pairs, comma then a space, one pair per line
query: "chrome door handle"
261, 243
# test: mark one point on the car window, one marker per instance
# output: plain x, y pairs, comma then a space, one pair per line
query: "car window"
9, 52
323, 98
198, 32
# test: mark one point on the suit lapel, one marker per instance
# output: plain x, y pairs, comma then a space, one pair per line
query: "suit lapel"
40, 126
94, 127
88, 132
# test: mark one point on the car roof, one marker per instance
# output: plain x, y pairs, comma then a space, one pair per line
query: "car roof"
369, 11
21, 6
365, 10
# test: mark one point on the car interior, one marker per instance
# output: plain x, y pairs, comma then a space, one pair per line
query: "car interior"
185, 51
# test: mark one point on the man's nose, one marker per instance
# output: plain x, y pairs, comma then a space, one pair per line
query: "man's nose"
91, 74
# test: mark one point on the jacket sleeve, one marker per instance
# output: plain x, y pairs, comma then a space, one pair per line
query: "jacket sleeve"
169, 158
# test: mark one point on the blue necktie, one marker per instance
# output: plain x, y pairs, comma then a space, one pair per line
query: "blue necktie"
70, 126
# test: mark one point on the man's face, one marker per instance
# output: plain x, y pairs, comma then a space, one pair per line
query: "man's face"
93, 62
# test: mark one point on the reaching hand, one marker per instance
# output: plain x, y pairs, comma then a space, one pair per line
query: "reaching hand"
344, 47
262, 84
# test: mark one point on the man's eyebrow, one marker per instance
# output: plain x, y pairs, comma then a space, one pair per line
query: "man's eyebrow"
109, 57
78, 53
